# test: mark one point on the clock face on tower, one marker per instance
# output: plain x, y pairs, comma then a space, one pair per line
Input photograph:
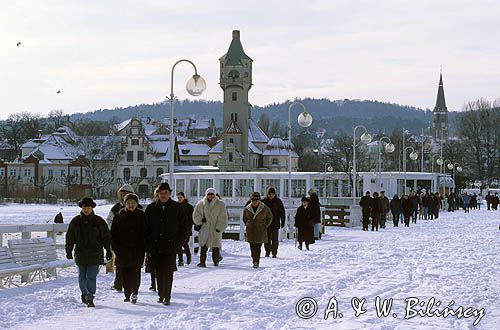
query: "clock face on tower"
233, 74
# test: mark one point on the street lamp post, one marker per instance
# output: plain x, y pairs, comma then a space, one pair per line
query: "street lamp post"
304, 120
195, 87
365, 138
389, 147
329, 168
413, 156
432, 168
453, 166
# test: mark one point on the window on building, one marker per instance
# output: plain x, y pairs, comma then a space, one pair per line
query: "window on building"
275, 161
159, 171
50, 173
12, 172
244, 187
234, 96
126, 173
27, 172
298, 188
87, 173
140, 156
205, 184
2, 173
63, 173
230, 157
144, 172
75, 172
194, 187
231, 140
135, 142
235, 117
227, 187
130, 156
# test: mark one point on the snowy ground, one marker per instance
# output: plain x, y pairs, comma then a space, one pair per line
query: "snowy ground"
454, 258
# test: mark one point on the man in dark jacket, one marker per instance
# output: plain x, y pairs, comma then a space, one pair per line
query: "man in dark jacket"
414, 201
395, 206
366, 203
88, 234
384, 208
165, 232
188, 211
278, 211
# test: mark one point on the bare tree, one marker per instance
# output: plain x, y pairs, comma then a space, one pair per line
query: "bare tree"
20, 127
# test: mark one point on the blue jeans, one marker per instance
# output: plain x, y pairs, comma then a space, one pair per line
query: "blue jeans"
87, 276
317, 230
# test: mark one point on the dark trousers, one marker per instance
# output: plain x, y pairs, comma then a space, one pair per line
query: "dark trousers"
164, 268
395, 218
366, 221
131, 277
215, 254
118, 283
382, 219
272, 244
407, 220
255, 251
185, 249
436, 212
375, 220
414, 216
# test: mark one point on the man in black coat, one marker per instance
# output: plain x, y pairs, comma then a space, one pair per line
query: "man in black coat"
188, 211
165, 232
88, 234
278, 211
384, 208
366, 204
414, 200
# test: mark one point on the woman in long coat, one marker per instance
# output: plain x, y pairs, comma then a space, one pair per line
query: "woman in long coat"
128, 241
305, 224
316, 214
395, 209
376, 211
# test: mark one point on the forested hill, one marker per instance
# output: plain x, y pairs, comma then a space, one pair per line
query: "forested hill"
331, 115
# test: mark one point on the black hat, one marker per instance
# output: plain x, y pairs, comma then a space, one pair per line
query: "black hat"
131, 196
255, 196
164, 186
305, 199
271, 191
86, 201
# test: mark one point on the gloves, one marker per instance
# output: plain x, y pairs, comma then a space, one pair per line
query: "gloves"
204, 220
109, 255
69, 256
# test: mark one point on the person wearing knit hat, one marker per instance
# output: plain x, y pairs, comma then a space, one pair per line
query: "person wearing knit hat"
122, 192
257, 218
210, 216
128, 239
278, 211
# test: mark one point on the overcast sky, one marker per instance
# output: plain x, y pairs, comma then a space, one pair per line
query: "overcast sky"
105, 54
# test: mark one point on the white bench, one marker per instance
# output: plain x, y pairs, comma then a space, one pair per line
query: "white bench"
9, 269
38, 251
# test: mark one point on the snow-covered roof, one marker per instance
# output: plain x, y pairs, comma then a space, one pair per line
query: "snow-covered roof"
255, 134
122, 125
195, 168
160, 146
253, 148
218, 148
194, 149
200, 124
278, 147
30, 144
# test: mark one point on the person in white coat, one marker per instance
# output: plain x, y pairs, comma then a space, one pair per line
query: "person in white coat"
210, 218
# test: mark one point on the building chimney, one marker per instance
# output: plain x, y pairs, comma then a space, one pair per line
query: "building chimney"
236, 34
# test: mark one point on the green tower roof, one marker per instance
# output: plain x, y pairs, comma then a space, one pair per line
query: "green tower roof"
235, 53
440, 101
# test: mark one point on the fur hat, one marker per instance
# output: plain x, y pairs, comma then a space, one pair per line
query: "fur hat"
126, 188
210, 191
271, 191
87, 201
255, 196
131, 196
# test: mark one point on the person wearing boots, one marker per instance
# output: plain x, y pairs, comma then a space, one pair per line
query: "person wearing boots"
305, 224
165, 232
366, 204
257, 217
210, 215
128, 233
110, 267
88, 234
278, 211
188, 211
376, 211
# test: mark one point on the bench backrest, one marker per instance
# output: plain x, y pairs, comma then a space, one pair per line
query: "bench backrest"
33, 250
5, 257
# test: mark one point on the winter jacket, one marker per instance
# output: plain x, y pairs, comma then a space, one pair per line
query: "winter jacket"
88, 235
366, 204
314, 207
395, 205
277, 210
406, 207
215, 215
305, 225
128, 234
58, 218
188, 211
165, 227
256, 223
376, 207
114, 211
414, 202
384, 205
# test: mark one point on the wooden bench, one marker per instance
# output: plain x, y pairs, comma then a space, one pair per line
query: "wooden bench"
38, 251
336, 216
9, 269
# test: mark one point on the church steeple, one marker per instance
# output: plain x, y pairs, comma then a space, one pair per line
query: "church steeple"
440, 122
440, 101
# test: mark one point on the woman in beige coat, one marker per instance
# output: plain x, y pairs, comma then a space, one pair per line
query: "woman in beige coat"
210, 216
257, 216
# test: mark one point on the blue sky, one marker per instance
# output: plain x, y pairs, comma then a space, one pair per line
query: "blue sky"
104, 54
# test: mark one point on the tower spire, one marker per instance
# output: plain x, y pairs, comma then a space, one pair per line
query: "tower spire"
440, 100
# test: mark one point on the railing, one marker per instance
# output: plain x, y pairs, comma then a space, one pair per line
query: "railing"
27, 231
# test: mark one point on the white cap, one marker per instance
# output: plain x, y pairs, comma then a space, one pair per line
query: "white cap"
210, 191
